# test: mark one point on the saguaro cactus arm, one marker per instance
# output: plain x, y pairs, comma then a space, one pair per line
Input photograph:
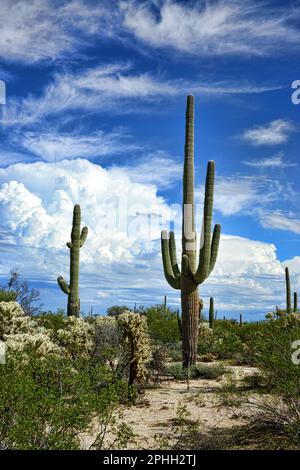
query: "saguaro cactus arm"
167, 264
84, 233
63, 285
214, 247
205, 251
173, 257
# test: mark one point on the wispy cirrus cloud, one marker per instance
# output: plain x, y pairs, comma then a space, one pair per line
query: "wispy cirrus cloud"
113, 88
212, 28
55, 146
238, 194
272, 133
158, 168
281, 220
39, 30
276, 161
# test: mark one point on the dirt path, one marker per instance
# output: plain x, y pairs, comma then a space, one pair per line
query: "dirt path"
206, 401
156, 409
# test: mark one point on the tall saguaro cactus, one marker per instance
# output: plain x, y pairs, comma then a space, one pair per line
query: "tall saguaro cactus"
295, 309
77, 241
192, 273
288, 291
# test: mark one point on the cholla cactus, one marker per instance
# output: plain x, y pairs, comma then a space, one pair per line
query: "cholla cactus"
135, 341
77, 242
21, 332
13, 320
39, 342
76, 338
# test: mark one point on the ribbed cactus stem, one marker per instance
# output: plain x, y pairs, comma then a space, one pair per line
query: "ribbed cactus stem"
295, 302
211, 313
77, 241
191, 275
179, 323
288, 291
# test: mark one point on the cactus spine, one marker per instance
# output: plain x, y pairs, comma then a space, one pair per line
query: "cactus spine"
288, 291
295, 302
192, 273
211, 313
77, 241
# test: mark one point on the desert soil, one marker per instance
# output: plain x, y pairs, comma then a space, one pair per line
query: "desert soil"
154, 413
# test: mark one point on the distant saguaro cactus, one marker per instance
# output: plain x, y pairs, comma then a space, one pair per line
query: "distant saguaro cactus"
288, 291
192, 273
211, 313
295, 302
77, 241
241, 319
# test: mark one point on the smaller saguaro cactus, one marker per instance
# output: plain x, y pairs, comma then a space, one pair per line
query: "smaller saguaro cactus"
211, 313
241, 319
295, 302
165, 305
288, 291
77, 241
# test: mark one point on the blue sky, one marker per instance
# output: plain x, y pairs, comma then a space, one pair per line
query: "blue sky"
94, 114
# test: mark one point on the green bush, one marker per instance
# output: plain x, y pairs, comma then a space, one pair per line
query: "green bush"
116, 310
47, 403
229, 340
203, 371
52, 321
272, 354
7, 296
162, 324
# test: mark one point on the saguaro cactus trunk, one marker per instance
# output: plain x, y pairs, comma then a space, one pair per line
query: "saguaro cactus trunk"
77, 241
295, 302
192, 273
288, 291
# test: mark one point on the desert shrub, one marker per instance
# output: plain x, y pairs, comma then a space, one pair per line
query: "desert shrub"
7, 296
116, 310
272, 354
47, 403
229, 340
135, 343
210, 372
203, 371
162, 324
174, 351
52, 321
106, 341
156, 367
